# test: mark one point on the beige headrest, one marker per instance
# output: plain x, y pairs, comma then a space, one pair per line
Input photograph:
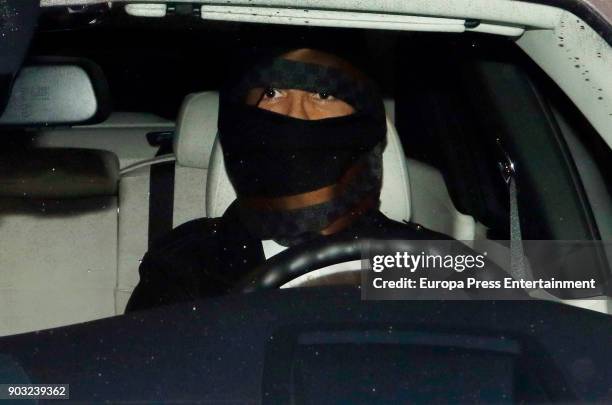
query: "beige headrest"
196, 129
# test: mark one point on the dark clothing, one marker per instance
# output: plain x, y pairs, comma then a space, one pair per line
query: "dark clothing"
206, 257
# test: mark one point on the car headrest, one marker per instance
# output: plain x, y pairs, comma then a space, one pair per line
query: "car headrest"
58, 173
395, 194
196, 129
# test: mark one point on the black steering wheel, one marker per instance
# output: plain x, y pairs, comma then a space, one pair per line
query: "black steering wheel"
307, 257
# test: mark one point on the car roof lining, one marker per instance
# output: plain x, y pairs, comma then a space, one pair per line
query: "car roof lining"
493, 11
541, 13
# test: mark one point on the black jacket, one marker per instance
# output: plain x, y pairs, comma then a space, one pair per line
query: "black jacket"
207, 256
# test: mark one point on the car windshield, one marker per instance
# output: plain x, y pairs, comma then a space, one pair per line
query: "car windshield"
158, 165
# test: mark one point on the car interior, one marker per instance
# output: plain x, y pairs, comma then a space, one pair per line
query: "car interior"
498, 136
87, 200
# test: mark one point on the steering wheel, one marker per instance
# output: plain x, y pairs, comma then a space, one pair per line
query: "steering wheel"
307, 257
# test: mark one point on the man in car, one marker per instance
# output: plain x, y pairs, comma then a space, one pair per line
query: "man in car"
303, 135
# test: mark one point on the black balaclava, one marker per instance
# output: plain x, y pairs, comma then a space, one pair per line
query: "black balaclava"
296, 179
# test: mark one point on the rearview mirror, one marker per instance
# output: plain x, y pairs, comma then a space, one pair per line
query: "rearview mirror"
54, 94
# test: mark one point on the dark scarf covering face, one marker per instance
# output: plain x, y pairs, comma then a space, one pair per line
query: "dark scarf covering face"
296, 179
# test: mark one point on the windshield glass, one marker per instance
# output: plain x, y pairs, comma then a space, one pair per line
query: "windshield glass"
236, 166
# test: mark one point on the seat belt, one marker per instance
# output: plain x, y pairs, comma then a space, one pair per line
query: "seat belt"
518, 268
161, 189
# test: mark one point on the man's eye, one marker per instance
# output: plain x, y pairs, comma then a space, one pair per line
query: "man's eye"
323, 95
271, 92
